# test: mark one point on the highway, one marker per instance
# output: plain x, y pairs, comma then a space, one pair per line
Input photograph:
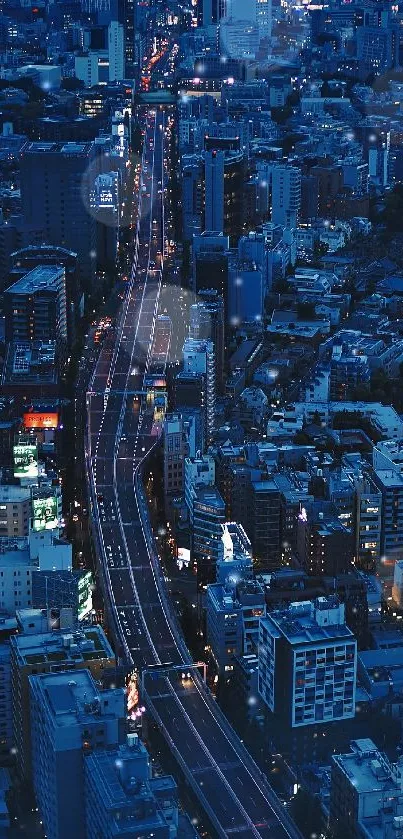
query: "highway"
120, 436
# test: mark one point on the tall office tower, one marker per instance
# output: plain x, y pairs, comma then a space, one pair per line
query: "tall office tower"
55, 191
246, 292
199, 358
35, 306
125, 12
175, 450
207, 321
88, 648
264, 17
208, 517
224, 181
378, 46
286, 195
211, 11
390, 484
264, 529
307, 669
116, 52
210, 262
69, 719
190, 401
192, 195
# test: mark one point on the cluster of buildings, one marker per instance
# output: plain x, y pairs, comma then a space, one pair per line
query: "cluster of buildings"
282, 453
283, 441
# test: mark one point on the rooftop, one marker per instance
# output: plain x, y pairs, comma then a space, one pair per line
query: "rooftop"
124, 776
302, 623
15, 494
74, 697
66, 149
50, 647
31, 362
367, 768
40, 278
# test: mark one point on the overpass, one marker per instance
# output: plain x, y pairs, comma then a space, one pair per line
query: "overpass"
154, 98
120, 437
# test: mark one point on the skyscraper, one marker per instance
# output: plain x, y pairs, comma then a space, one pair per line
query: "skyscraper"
207, 321
55, 190
208, 517
264, 17
286, 195
35, 306
116, 51
223, 172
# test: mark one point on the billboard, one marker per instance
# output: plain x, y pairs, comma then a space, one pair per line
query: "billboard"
34, 419
25, 460
44, 513
183, 559
85, 589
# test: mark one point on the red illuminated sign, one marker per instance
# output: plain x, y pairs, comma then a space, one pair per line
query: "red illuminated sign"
37, 420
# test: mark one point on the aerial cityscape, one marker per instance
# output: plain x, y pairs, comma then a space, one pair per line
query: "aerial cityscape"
201, 419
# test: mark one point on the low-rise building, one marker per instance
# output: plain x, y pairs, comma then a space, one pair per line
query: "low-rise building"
366, 796
15, 510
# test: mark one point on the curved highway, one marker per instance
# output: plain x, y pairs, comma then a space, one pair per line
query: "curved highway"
120, 435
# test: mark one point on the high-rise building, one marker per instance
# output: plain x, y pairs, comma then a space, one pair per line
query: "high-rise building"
199, 358
35, 307
88, 648
264, 17
378, 46
129, 23
210, 262
264, 528
208, 517
233, 614
116, 51
390, 484
26, 259
192, 184
224, 175
235, 603
69, 719
246, 292
286, 195
307, 665
175, 450
199, 472
56, 181
347, 371
324, 544
6, 717
211, 11
207, 322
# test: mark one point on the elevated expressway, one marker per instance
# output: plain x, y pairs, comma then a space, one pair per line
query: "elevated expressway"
121, 433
